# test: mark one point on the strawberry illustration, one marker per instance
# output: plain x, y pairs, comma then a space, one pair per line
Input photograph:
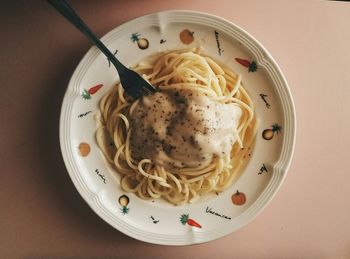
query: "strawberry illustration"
252, 66
185, 218
92, 90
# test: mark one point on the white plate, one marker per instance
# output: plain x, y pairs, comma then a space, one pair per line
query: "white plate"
157, 221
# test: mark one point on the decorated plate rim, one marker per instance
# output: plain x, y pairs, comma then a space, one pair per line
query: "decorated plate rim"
280, 168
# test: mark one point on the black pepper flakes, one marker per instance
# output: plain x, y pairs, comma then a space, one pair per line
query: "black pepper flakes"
192, 140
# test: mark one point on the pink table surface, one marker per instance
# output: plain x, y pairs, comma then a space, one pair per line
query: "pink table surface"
43, 216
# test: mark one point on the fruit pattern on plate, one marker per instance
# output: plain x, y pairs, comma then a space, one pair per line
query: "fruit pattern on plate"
186, 36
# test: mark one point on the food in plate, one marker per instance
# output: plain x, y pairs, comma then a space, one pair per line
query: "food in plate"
189, 138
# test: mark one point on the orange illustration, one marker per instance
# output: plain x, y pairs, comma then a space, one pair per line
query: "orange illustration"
186, 36
238, 198
84, 149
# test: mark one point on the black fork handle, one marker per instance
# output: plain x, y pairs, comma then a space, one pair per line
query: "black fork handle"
64, 8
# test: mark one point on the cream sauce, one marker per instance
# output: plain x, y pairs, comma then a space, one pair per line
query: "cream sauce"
182, 128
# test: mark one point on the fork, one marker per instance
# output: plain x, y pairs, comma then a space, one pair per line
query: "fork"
133, 84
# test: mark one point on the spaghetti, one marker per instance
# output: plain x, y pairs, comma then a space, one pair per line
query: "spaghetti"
178, 73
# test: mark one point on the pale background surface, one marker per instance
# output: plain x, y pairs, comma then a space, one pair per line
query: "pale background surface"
43, 216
